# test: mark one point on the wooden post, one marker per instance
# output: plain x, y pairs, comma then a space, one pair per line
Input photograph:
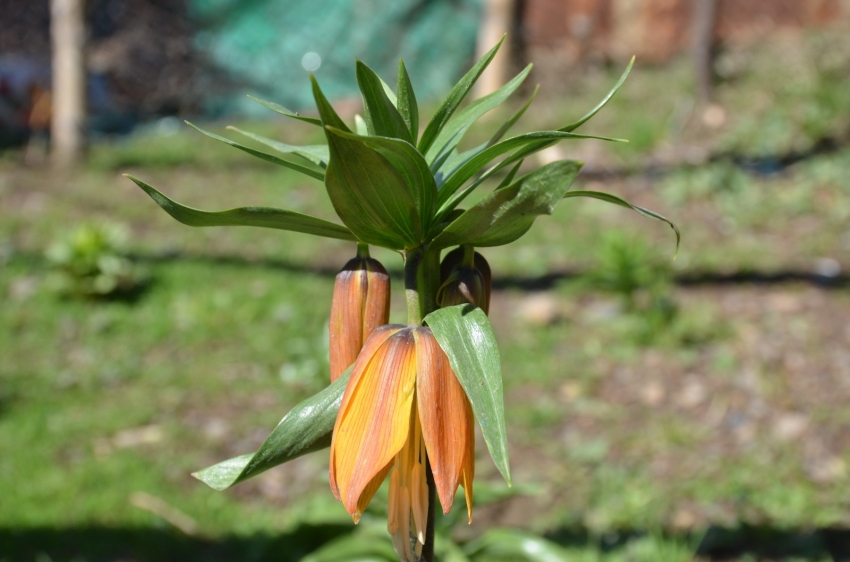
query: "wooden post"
67, 33
705, 19
496, 20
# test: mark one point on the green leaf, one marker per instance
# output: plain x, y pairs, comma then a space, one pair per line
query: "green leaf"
531, 149
603, 102
510, 177
497, 136
475, 163
454, 131
511, 544
247, 216
382, 117
306, 428
464, 333
309, 171
508, 213
607, 197
407, 105
367, 192
452, 101
316, 153
412, 166
360, 125
276, 107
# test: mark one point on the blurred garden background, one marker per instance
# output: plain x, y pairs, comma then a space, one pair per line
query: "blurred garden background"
658, 409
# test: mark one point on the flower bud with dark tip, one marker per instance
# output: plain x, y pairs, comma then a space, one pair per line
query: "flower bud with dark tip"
463, 282
361, 303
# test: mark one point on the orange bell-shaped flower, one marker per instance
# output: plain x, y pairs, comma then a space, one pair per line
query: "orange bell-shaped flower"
403, 407
361, 303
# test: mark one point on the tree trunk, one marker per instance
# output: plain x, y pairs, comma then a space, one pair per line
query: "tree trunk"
705, 19
67, 32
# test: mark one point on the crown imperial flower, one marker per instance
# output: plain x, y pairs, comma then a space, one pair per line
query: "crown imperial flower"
403, 407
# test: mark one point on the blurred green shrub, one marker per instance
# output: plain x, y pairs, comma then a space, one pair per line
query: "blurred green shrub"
91, 262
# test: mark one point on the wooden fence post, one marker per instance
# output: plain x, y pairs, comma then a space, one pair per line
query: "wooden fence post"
67, 34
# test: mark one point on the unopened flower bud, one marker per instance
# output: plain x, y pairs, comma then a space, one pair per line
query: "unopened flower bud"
462, 283
361, 303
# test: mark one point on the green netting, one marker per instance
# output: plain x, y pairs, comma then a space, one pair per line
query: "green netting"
261, 44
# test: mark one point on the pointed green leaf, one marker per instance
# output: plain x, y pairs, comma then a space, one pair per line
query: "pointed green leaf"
607, 197
407, 105
497, 136
360, 126
573, 126
367, 192
452, 101
277, 108
309, 171
316, 153
306, 428
510, 177
537, 147
475, 163
247, 216
454, 131
464, 333
382, 117
508, 213
412, 166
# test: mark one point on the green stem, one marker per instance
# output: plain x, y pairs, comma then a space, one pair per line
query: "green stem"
362, 250
412, 261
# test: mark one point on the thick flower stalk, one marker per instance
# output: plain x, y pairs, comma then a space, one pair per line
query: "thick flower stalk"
361, 303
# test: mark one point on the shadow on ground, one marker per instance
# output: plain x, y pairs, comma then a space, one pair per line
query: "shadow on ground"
103, 544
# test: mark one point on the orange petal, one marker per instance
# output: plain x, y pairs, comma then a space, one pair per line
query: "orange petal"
361, 303
469, 461
444, 412
374, 417
375, 341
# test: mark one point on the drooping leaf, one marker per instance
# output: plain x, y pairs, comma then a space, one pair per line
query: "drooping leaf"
311, 171
367, 192
306, 428
513, 544
508, 213
407, 105
316, 153
382, 117
247, 216
453, 132
277, 108
412, 166
452, 101
464, 333
475, 163
607, 197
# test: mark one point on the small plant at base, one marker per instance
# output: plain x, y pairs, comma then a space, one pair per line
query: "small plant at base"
90, 262
404, 409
